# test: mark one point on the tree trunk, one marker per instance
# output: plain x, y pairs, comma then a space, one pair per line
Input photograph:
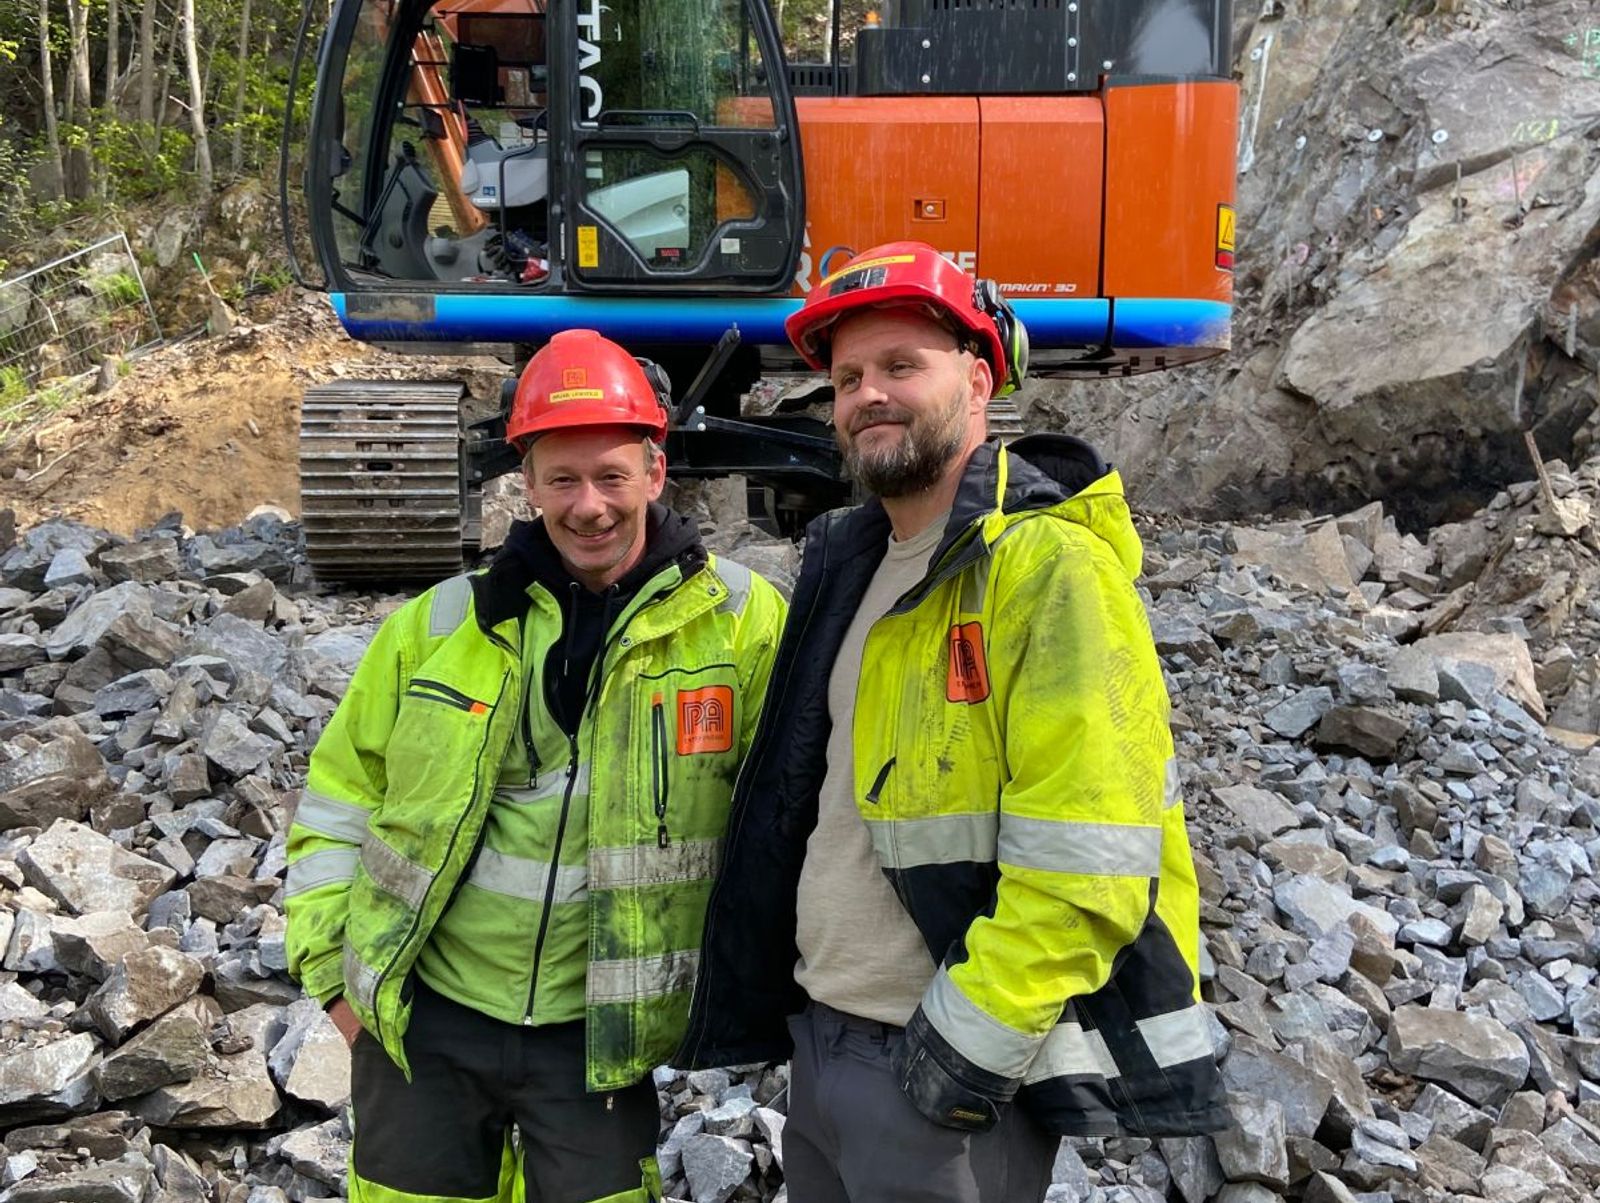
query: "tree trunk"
238, 95
113, 32
169, 66
147, 64
267, 42
79, 101
52, 134
197, 104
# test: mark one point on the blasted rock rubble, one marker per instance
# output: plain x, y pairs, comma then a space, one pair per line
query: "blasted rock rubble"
1388, 748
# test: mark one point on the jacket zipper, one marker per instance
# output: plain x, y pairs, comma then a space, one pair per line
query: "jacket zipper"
880, 781
874, 795
550, 879
598, 673
436, 691
659, 769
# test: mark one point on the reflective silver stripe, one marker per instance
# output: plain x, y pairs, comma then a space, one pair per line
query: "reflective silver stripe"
449, 610
1174, 785
394, 874
516, 877
330, 817
643, 977
943, 840
551, 785
320, 869
648, 865
975, 1034
360, 980
1177, 1036
1070, 1051
1101, 849
737, 578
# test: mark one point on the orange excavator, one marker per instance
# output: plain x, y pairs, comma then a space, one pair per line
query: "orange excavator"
489, 172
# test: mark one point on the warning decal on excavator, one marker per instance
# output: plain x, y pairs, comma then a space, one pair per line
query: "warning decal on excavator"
861, 267
577, 394
1225, 233
588, 246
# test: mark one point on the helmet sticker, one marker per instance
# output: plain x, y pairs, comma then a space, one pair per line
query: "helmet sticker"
857, 279
577, 394
882, 261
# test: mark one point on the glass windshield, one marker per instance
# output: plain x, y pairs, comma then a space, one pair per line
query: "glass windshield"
689, 62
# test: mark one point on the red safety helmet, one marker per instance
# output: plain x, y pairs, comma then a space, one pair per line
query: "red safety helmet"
914, 275
582, 378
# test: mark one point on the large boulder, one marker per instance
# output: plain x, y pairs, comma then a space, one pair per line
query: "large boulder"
1383, 318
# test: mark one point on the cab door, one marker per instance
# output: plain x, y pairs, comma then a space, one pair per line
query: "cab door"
681, 160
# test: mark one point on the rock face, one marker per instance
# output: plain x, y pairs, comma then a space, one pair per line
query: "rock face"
1396, 861
1355, 234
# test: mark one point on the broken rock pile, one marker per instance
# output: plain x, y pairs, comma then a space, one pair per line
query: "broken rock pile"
1386, 758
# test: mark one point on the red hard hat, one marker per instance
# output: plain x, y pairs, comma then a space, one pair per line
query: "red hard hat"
581, 378
910, 274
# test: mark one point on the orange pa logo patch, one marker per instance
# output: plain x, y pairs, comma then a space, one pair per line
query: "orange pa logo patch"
574, 377
705, 720
968, 678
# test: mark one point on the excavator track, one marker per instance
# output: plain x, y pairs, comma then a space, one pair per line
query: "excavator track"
381, 494
1005, 420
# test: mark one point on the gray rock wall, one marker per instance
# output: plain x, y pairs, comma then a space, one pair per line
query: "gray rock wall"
1394, 333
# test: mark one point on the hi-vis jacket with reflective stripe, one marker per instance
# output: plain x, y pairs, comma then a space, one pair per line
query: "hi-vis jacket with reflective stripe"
399, 787
1015, 769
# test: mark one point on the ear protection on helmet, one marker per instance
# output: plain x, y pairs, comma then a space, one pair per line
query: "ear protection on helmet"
659, 381
986, 298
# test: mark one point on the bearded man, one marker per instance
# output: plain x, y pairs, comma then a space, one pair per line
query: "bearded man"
956, 861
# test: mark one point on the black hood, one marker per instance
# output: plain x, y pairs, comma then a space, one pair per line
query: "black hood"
529, 556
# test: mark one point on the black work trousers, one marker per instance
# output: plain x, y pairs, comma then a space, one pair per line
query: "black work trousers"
853, 1137
447, 1134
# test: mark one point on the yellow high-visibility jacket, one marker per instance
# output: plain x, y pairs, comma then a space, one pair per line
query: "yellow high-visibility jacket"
393, 828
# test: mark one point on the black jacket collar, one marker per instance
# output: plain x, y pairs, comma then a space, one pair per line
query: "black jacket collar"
529, 556
1041, 470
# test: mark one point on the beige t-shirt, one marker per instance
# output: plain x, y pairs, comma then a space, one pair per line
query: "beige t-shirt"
859, 950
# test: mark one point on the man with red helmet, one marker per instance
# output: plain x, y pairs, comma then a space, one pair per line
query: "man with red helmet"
499, 866
957, 860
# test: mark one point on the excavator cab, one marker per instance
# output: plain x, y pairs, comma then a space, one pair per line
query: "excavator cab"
490, 147
493, 171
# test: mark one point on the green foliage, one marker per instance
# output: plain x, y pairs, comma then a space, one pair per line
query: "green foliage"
274, 279
120, 288
138, 162
13, 387
20, 405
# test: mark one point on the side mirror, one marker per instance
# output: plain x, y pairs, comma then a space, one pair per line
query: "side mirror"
432, 123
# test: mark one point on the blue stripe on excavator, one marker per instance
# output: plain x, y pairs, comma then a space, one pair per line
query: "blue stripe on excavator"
508, 317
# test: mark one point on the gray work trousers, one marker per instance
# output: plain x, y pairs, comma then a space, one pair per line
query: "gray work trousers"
853, 1137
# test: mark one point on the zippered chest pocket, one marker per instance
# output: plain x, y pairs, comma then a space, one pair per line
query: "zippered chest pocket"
439, 734
688, 741
428, 690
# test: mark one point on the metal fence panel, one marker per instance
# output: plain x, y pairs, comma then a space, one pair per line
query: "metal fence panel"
66, 316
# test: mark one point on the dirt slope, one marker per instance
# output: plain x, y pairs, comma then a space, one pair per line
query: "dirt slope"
207, 427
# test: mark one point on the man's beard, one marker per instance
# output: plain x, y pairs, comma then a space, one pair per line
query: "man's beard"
918, 459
